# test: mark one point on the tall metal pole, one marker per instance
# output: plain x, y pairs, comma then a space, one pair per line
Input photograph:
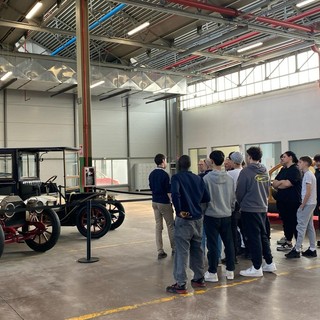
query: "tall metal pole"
84, 95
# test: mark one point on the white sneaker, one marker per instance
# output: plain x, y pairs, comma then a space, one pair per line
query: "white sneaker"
252, 272
230, 275
211, 277
269, 267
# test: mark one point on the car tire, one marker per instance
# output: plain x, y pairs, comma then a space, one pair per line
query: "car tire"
47, 239
1, 241
117, 214
101, 220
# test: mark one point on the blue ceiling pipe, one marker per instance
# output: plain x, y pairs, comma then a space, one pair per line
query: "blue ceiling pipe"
91, 27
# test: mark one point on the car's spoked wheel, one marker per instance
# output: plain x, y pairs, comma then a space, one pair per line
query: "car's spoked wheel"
117, 214
100, 220
42, 231
1, 241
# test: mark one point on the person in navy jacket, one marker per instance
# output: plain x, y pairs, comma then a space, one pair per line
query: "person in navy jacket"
188, 191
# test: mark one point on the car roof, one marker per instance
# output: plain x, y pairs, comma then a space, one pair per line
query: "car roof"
38, 149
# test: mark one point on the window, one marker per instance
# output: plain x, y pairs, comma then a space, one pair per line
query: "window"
282, 73
271, 153
308, 147
5, 166
111, 171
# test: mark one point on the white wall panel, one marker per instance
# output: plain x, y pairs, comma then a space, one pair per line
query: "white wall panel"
147, 129
109, 133
35, 119
282, 116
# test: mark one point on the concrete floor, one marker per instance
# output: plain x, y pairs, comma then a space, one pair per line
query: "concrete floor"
129, 282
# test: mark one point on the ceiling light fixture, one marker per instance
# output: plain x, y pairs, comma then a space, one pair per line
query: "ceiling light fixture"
34, 10
304, 3
139, 28
251, 46
99, 83
6, 76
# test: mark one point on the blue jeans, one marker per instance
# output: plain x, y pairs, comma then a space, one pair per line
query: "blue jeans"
215, 227
188, 236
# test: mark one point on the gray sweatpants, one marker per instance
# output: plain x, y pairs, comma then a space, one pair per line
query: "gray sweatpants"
305, 225
188, 237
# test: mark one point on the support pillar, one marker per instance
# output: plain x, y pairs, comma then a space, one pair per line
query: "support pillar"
84, 95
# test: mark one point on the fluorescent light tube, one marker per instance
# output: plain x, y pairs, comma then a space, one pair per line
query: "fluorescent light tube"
304, 3
139, 28
34, 10
99, 83
6, 76
251, 46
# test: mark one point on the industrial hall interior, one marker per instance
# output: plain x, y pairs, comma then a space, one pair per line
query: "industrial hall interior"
159, 159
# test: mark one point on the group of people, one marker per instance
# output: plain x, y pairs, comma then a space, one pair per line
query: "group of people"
213, 203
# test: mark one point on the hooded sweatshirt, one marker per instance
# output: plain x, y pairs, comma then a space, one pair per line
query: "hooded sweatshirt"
253, 188
221, 190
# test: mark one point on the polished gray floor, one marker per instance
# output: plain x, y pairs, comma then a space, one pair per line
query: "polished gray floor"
129, 282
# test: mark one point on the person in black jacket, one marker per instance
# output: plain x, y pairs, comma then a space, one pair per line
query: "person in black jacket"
188, 192
288, 184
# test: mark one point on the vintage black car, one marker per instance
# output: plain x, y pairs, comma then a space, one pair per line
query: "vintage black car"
32, 211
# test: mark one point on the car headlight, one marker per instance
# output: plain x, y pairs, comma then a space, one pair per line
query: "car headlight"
35, 205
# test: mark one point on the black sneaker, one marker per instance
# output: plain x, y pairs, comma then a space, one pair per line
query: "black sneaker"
179, 289
285, 247
198, 283
293, 254
162, 255
310, 253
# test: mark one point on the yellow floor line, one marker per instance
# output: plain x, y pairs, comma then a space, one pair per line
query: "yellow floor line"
157, 301
313, 267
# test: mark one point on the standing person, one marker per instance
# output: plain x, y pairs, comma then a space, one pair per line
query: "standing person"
305, 211
288, 185
202, 167
228, 165
217, 217
207, 166
159, 182
252, 195
317, 174
237, 159
188, 192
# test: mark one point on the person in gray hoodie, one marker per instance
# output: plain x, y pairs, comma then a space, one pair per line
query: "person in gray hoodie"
217, 218
252, 195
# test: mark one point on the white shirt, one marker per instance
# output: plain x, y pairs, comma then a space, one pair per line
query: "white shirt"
309, 178
234, 174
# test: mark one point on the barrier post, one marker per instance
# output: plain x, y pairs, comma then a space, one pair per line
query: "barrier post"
88, 259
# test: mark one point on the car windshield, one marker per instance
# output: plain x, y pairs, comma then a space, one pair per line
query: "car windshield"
72, 171
28, 165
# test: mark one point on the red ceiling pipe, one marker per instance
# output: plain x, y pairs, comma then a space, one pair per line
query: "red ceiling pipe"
209, 7
234, 41
279, 23
236, 13
180, 62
